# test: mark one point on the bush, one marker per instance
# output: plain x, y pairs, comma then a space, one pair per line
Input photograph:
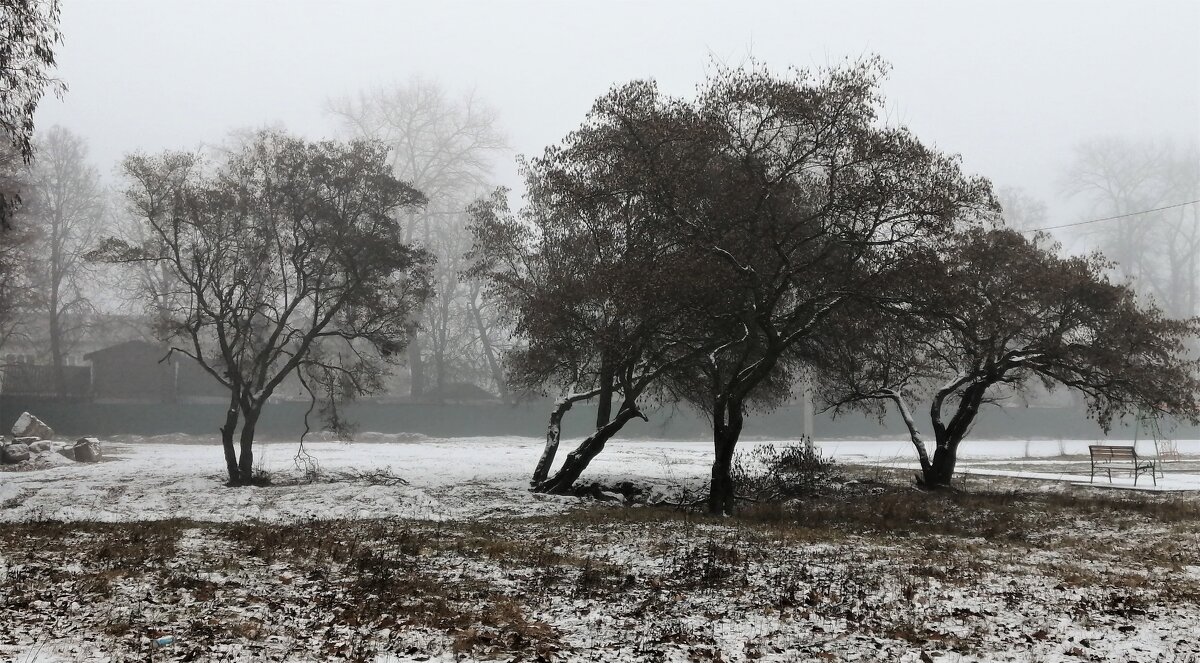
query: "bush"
767, 473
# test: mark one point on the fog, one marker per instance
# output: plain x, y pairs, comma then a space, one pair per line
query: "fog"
286, 373
1056, 103
1010, 86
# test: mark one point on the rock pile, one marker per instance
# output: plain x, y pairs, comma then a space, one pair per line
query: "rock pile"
32, 440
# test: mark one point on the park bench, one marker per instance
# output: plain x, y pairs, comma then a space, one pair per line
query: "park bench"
1108, 458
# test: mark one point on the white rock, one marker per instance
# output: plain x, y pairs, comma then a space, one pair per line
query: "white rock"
30, 426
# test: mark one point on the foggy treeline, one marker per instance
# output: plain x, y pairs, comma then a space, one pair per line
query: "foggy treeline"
57, 304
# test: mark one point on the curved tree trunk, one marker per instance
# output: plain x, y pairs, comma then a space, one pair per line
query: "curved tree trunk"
913, 434
554, 435
489, 354
577, 461
727, 428
940, 471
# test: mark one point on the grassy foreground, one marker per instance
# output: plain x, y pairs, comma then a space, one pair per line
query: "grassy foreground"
867, 568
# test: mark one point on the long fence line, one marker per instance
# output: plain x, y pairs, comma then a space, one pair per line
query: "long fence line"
285, 420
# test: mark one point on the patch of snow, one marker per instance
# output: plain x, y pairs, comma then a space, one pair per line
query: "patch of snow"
182, 476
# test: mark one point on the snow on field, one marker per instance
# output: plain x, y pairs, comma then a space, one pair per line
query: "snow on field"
181, 476
862, 576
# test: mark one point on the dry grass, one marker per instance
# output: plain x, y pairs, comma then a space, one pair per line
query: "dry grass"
899, 565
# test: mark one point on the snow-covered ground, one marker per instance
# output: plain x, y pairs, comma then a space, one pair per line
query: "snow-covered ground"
403, 548
459, 478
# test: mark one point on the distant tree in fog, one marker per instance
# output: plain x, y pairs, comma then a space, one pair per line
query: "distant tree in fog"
1159, 250
999, 310
64, 209
28, 36
1020, 210
444, 145
288, 259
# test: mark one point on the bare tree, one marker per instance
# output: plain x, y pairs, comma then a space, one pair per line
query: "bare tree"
443, 145
288, 258
65, 209
999, 310
1020, 210
590, 285
1159, 250
690, 245
813, 200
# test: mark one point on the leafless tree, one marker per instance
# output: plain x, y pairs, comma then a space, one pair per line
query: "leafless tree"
1001, 310
288, 260
1020, 210
1160, 250
64, 208
444, 145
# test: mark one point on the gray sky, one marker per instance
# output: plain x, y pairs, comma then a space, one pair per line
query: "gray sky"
1009, 85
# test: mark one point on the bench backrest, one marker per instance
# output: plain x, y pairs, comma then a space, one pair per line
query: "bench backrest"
1106, 452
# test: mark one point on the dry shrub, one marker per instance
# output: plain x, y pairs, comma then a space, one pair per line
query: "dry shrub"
766, 473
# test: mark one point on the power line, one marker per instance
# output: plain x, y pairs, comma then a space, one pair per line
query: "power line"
1110, 218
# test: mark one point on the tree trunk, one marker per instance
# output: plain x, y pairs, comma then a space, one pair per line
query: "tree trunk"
940, 471
553, 436
604, 405
54, 321
415, 366
439, 340
913, 434
577, 461
727, 428
440, 372
246, 457
56, 352
231, 421
489, 354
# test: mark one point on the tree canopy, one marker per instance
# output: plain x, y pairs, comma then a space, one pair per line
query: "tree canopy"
995, 312
777, 197
286, 256
28, 36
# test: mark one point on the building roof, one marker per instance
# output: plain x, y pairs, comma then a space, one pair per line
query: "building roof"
126, 348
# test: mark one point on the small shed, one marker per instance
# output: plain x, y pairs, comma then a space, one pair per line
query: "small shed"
134, 371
